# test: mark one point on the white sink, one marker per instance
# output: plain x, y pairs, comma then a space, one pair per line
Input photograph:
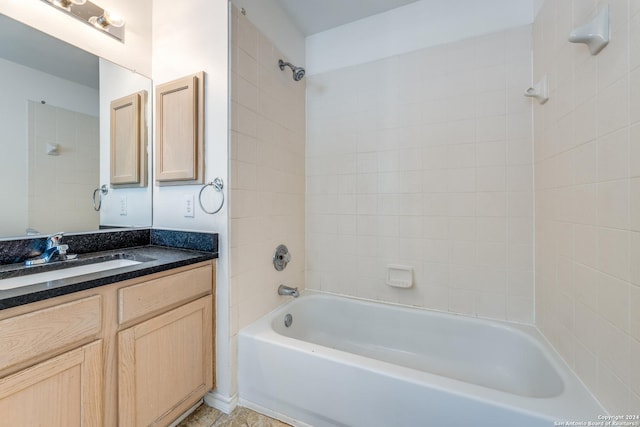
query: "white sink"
31, 279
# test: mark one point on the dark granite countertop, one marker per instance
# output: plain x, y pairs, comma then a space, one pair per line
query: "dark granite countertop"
153, 259
157, 250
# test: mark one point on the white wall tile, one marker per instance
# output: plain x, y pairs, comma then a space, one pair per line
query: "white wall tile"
613, 155
492, 229
613, 301
267, 183
491, 179
494, 153
427, 169
461, 180
613, 204
585, 152
613, 252
613, 111
634, 252
634, 310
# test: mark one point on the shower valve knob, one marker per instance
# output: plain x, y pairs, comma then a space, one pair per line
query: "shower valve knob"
281, 257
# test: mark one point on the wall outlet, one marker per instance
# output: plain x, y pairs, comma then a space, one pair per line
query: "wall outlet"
187, 206
123, 205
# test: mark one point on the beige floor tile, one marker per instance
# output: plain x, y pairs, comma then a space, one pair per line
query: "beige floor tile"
205, 416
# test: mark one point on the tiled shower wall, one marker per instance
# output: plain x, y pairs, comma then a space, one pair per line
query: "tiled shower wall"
587, 163
267, 175
425, 159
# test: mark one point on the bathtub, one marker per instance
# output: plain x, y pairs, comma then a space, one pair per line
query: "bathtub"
348, 362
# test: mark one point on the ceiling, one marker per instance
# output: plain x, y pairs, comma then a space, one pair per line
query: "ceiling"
314, 16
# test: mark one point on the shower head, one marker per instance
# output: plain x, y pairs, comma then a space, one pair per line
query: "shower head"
298, 72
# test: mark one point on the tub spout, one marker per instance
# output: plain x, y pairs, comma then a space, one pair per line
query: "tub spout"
286, 290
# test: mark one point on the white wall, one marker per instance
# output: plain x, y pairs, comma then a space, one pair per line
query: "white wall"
275, 24
187, 40
134, 53
19, 85
116, 82
415, 26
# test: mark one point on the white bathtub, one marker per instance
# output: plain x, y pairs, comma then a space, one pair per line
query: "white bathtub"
347, 362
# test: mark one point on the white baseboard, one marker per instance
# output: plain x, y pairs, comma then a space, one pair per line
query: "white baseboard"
222, 403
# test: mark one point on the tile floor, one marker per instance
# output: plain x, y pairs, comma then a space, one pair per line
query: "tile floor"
205, 416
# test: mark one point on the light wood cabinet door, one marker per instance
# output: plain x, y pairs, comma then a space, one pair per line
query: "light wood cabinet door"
165, 365
128, 141
180, 131
65, 391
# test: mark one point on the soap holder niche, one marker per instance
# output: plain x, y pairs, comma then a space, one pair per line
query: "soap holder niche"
595, 34
539, 91
400, 276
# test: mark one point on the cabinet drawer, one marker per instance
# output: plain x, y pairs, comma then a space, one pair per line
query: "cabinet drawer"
43, 332
166, 292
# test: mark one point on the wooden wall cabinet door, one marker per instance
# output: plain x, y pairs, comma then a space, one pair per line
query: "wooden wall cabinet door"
180, 131
64, 391
128, 141
165, 365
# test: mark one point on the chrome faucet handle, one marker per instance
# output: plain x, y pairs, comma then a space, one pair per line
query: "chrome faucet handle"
54, 240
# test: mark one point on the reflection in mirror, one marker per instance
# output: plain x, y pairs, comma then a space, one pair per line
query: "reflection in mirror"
55, 113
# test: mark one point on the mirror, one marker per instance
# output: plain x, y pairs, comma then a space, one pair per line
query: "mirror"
55, 120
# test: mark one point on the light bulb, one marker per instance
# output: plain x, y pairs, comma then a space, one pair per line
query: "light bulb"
113, 18
107, 19
66, 4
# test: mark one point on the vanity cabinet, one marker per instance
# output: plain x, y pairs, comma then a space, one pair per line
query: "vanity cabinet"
131, 354
165, 363
54, 362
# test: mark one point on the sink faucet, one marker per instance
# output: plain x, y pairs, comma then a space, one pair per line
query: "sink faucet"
54, 247
286, 290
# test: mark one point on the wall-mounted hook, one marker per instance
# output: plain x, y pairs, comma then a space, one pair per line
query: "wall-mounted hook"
539, 91
595, 34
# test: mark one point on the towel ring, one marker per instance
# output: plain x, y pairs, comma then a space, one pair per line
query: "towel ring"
217, 185
103, 190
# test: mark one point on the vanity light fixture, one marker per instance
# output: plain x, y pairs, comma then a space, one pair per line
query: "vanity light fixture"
66, 4
106, 21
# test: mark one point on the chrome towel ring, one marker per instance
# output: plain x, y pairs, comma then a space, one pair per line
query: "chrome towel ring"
217, 185
97, 204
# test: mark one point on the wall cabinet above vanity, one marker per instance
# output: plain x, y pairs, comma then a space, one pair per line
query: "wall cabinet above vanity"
128, 136
180, 131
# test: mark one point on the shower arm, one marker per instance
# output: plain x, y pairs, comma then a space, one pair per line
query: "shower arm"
283, 64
